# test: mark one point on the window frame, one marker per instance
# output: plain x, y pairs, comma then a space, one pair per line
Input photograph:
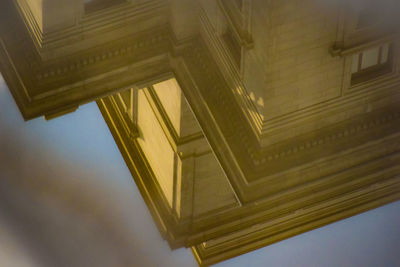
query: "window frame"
374, 71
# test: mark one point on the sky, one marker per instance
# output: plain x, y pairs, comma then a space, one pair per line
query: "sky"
68, 199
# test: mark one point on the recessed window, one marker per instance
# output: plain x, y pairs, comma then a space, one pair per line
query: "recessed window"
371, 63
95, 5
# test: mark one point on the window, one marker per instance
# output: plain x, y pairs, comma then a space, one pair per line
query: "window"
371, 63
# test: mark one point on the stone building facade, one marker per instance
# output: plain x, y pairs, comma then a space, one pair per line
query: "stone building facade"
243, 122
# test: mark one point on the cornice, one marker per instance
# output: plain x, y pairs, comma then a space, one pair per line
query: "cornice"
384, 87
289, 202
344, 167
235, 230
128, 15
260, 132
49, 87
173, 228
129, 47
106, 67
244, 161
216, 250
333, 136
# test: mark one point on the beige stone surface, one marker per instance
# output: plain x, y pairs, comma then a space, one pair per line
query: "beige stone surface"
291, 46
240, 121
212, 190
156, 147
177, 166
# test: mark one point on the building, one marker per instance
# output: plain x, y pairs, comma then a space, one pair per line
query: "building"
242, 122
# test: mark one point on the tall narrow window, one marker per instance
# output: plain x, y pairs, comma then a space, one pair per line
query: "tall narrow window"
371, 63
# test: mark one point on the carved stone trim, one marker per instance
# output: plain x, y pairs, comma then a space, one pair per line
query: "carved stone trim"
369, 197
243, 170
49, 87
89, 24
231, 74
282, 187
343, 51
129, 48
332, 137
286, 206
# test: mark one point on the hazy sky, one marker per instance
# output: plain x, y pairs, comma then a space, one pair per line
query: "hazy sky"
67, 199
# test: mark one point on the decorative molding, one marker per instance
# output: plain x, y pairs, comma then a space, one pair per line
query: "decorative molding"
236, 230
215, 225
252, 162
40, 87
86, 61
268, 132
344, 51
332, 137
230, 72
369, 197
286, 174
92, 24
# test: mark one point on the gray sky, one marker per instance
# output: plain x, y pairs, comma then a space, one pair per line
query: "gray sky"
67, 199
